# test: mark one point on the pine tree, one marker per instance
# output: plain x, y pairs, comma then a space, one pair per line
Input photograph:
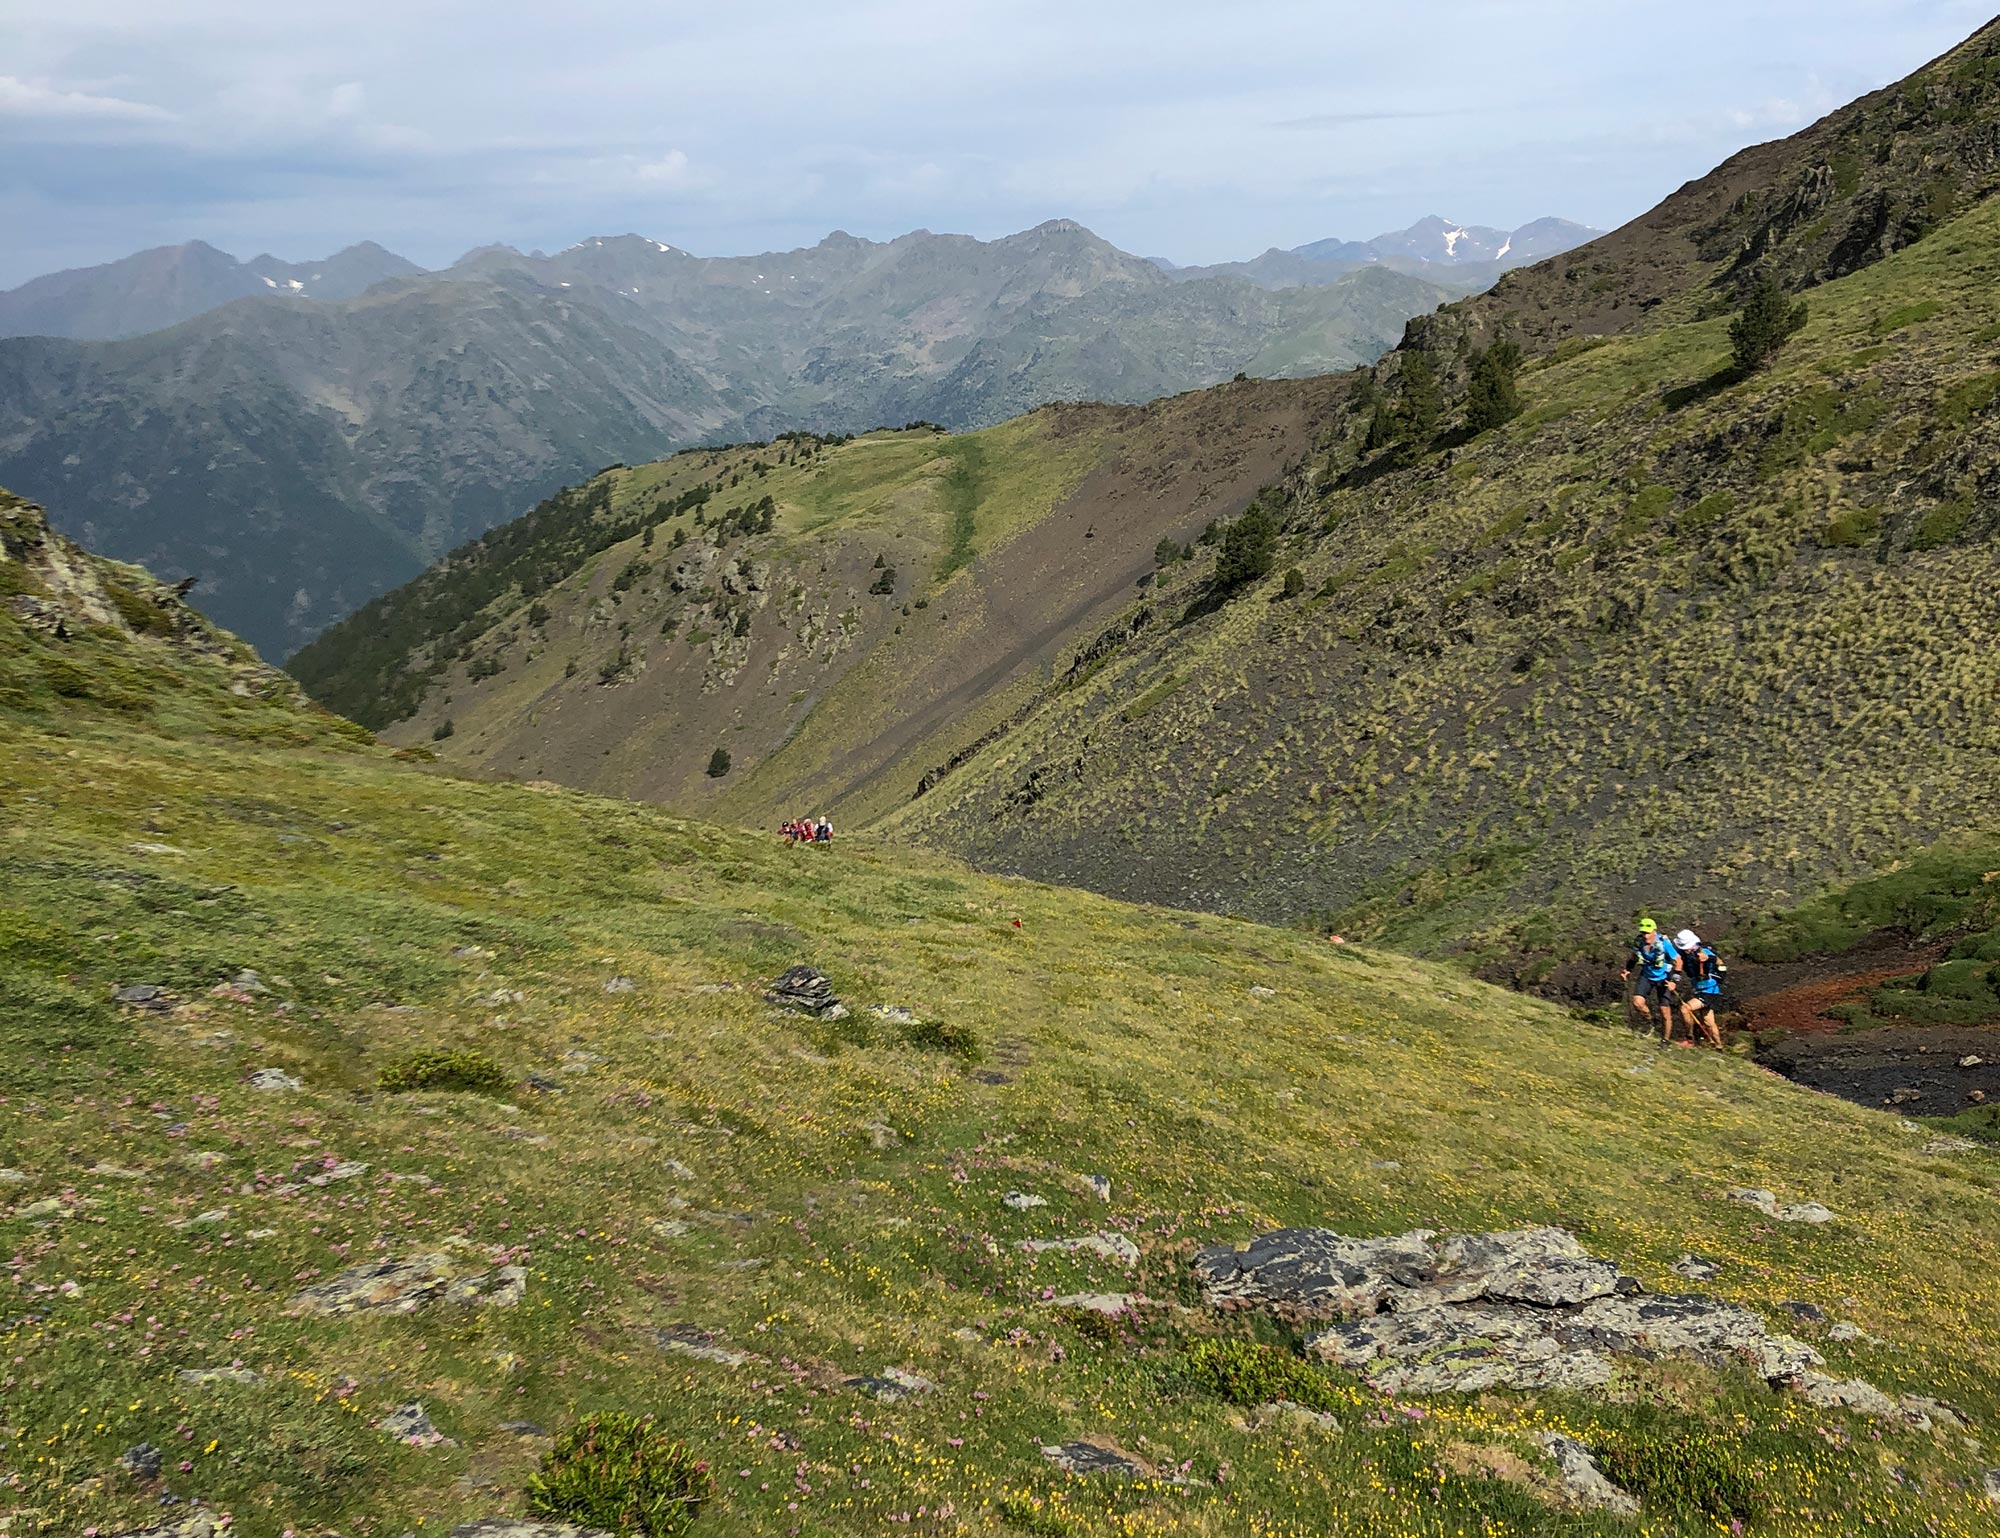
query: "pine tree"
1491, 399
1423, 399
1767, 320
1249, 547
1381, 428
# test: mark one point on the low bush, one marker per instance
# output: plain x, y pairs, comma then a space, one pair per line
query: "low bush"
1040, 1516
942, 1036
456, 1068
1688, 1475
622, 1474
1249, 1372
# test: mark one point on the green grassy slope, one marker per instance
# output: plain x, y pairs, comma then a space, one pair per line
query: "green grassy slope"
1668, 638
824, 1198
912, 589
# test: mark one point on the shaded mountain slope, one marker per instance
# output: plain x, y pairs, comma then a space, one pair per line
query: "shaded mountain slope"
334, 1300
622, 633
300, 458
1671, 638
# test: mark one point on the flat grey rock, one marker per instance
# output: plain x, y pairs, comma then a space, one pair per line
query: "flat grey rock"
523, 1527
1089, 1458
205, 1375
1767, 1203
13, 1178
1111, 1246
806, 991
1100, 1186
412, 1282
1109, 1304
892, 1384
1021, 1201
1317, 1271
1582, 1480
412, 1424
620, 985
1696, 1268
196, 1524
273, 1079
702, 1345
141, 1462
1993, 1486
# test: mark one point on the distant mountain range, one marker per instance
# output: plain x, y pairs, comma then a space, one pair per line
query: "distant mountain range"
166, 285
300, 457
170, 284
1471, 255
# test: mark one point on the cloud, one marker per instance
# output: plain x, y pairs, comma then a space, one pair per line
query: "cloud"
1349, 119
38, 101
672, 172
433, 125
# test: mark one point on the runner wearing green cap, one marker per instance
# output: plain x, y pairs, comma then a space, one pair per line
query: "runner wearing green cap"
1658, 965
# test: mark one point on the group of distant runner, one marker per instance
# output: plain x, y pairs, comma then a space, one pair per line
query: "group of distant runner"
808, 830
1679, 979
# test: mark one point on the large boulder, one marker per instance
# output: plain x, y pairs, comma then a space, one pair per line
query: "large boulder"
1530, 1309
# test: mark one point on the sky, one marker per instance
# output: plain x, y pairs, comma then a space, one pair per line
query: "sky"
1195, 131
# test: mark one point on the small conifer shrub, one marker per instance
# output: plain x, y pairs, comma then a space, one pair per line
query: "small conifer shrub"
621, 1474
453, 1068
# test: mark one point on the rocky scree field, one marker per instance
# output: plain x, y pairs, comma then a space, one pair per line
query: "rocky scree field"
365, 1127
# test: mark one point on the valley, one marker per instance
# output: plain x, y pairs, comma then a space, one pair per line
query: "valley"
1192, 1087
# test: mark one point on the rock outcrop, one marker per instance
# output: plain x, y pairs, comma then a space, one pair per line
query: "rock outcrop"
806, 991
1417, 1314
413, 1282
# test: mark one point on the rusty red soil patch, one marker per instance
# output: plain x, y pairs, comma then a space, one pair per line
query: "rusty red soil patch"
1801, 1010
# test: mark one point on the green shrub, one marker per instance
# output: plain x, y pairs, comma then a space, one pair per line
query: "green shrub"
1855, 526
455, 1068
141, 616
1685, 1475
442, 730
1249, 1372
942, 1036
718, 763
1039, 1516
1295, 583
622, 1474
1089, 1323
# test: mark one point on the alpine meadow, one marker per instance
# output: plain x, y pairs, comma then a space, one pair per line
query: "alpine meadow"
1083, 898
